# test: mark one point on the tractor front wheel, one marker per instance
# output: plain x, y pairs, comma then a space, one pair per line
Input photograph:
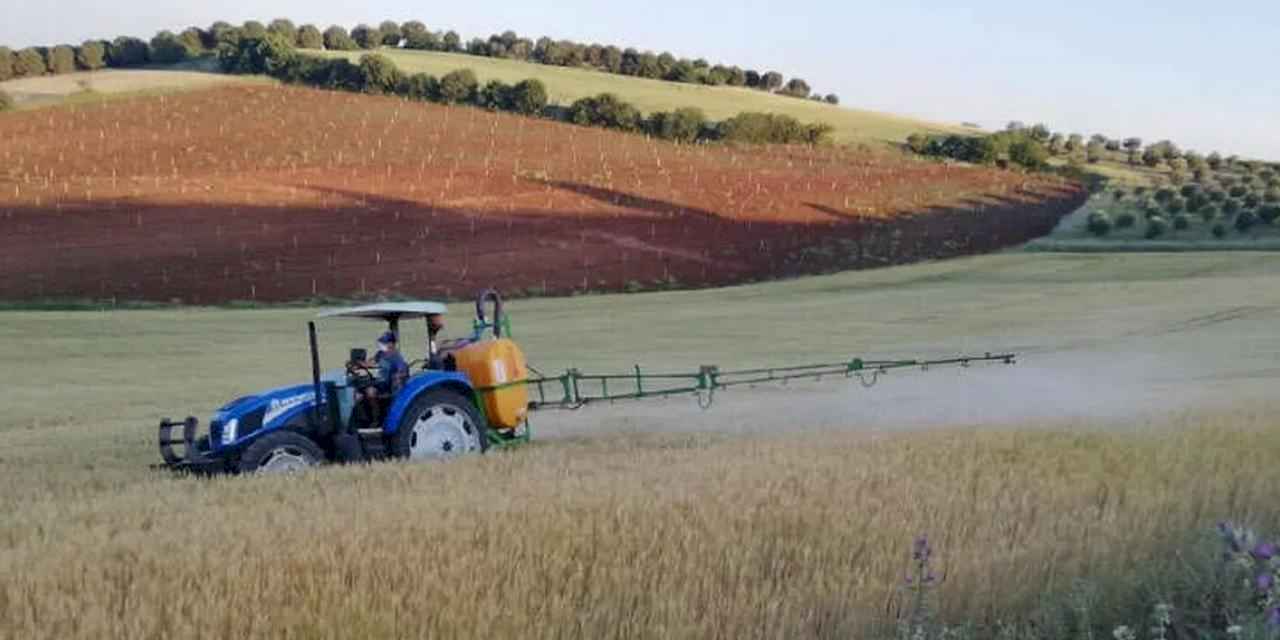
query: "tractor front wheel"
440, 424
281, 452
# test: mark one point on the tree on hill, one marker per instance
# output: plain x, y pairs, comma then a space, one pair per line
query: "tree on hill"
29, 63
309, 37
127, 52
6, 64
753, 78
1075, 142
193, 39
1152, 157
253, 29
1040, 133
797, 88
166, 48
452, 42
771, 81
1055, 144
222, 33
423, 41
1114, 144
337, 39
1215, 160
458, 86
412, 27
391, 33
832, 98
61, 59
284, 28
1093, 153
366, 37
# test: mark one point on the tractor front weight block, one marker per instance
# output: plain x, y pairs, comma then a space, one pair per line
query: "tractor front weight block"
194, 455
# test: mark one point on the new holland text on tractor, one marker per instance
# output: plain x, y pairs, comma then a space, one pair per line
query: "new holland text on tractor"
461, 398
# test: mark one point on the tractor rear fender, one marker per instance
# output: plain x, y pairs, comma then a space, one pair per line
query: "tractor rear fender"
420, 384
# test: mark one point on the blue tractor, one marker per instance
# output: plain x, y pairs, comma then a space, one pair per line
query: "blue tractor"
435, 412
460, 398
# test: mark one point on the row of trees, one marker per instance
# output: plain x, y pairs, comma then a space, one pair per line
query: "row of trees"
168, 47
273, 54
1004, 148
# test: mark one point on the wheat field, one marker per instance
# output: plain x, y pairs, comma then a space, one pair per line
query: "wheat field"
1140, 414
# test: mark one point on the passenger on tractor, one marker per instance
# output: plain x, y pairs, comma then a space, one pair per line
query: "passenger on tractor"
440, 354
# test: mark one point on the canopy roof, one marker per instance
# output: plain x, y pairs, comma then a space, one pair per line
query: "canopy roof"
388, 311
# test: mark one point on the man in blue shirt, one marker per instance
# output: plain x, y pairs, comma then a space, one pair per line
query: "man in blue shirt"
392, 373
392, 369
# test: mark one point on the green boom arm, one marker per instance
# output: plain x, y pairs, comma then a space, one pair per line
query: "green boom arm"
574, 389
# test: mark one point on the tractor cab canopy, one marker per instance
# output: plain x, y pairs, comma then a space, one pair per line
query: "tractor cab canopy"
390, 312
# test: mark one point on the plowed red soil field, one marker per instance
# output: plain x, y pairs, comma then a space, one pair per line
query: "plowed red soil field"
275, 193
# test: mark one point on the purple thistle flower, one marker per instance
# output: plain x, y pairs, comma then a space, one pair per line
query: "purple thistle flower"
920, 550
1273, 617
1265, 581
1264, 551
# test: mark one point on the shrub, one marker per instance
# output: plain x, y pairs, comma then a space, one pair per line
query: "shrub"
379, 74
1126, 220
918, 142
1231, 206
1189, 190
1156, 226
253, 29
682, 125
1176, 205
1252, 200
420, 86
1181, 222
337, 39
605, 110
529, 97
1217, 195
29, 63
309, 37
458, 86
1238, 191
1164, 195
1219, 230
1269, 214
6, 102
1209, 213
90, 56
494, 96
285, 29
1098, 223
765, 128
1245, 220
6, 64
391, 33
832, 98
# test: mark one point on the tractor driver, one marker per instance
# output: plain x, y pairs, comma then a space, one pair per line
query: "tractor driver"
392, 372
392, 369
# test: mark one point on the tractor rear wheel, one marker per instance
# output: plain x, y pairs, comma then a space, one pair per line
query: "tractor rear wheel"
281, 452
440, 424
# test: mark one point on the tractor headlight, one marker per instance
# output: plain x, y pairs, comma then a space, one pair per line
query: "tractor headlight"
229, 429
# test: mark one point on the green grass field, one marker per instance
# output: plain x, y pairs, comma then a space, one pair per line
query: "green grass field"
566, 85
1138, 415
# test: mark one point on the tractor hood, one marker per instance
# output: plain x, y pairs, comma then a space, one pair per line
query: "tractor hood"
247, 415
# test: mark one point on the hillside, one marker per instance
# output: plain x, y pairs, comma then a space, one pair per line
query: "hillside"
280, 193
567, 84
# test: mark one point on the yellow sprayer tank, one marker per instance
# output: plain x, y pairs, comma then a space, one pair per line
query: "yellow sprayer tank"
496, 367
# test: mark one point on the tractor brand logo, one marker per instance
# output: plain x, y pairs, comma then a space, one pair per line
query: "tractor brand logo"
279, 407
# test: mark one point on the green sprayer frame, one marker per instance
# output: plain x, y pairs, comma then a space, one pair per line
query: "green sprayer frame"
574, 389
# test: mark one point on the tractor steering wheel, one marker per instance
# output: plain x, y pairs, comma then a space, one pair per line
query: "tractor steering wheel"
361, 374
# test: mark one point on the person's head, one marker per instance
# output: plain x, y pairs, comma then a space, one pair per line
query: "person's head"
387, 342
435, 322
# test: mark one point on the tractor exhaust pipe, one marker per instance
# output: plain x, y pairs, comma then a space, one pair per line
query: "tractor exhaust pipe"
316, 415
